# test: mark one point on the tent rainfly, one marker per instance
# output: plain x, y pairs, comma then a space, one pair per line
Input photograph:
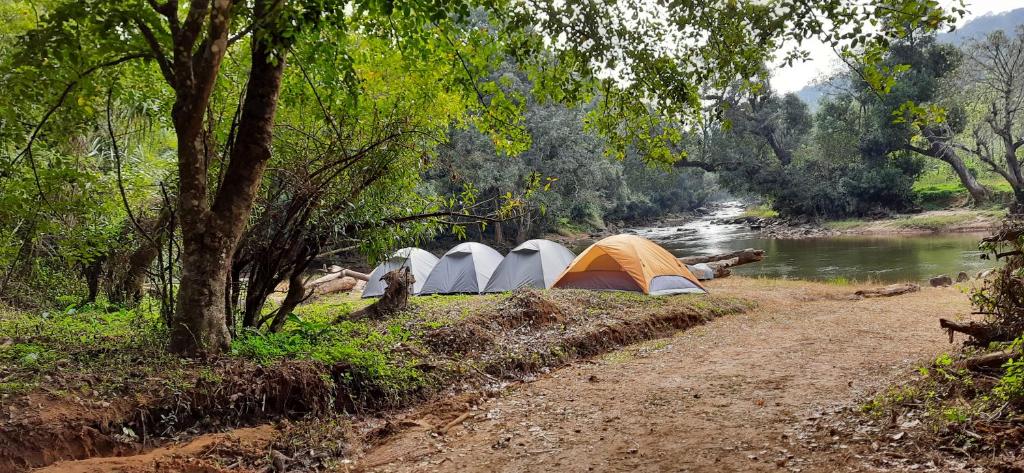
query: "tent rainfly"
420, 263
629, 263
463, 269
535, 263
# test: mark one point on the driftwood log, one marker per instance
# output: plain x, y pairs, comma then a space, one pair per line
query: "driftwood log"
748, 255
338, 280
395, 298
988, 361
888, 291
981, 334
721, 263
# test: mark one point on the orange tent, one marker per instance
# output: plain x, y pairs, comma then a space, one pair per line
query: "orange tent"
629, 263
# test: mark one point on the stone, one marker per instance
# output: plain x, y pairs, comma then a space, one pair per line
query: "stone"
941, 281
962, 276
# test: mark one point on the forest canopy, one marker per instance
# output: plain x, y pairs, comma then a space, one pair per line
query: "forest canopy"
181, 148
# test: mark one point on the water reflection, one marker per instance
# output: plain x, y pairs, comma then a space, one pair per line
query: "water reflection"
884, 258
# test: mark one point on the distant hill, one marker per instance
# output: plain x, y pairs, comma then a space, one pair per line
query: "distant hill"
984, 25
975, 28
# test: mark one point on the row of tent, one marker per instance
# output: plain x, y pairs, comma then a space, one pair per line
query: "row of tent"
620, 262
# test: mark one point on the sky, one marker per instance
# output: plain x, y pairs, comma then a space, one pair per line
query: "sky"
824, 60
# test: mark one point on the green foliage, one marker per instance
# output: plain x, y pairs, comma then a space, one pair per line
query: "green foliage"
1011, 383
760, 211
936, 196
94, 337
367, 353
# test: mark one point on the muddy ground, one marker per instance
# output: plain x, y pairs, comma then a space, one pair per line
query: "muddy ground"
742, 393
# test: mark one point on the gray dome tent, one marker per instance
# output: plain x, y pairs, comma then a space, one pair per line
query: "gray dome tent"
535, 263
463, 269
419, 262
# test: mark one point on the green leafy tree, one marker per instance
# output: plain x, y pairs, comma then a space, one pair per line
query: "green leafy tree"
660, 56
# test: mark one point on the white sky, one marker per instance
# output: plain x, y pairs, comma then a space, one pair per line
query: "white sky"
824, 60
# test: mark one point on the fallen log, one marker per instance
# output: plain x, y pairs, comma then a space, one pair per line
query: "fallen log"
888, 291
340, 273
721, 268
981, 334
987, 361
748, 255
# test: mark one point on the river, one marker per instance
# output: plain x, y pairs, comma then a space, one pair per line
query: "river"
888, 258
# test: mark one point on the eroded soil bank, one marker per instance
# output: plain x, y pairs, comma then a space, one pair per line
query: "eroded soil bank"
86, 405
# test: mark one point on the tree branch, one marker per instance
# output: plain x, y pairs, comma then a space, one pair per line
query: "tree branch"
64, 95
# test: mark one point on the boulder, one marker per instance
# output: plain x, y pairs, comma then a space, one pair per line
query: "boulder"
985, 273
962, 276
941, 281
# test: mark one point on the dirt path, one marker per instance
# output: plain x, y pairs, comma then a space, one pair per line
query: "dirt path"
728, 396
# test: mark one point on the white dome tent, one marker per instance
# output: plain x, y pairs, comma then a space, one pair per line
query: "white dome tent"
535, 263
420, 263
463, 269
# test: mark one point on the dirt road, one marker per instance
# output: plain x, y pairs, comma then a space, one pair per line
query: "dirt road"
727, 396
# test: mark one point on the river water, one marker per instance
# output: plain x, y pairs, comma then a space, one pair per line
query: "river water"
856, 258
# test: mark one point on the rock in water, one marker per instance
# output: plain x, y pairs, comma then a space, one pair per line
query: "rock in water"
962, 276
941, 281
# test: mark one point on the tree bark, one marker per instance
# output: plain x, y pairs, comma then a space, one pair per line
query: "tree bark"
210, 235
979, 194
988, 361
92, 272
296, 294
395, 298
939, 149
125, 287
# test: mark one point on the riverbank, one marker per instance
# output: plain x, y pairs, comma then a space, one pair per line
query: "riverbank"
88, 384
932, 221
963, 220
743, 392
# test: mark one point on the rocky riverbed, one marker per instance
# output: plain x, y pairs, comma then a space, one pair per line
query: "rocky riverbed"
779, 227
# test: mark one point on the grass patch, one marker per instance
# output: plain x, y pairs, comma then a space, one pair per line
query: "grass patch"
932, 223
942, 222
760, 211
934, 196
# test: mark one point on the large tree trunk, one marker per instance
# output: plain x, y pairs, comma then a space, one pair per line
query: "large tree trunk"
937, 148
200, 326
979, 194
209, 235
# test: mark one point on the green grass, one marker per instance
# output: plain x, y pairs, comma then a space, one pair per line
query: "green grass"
940, 189
760, 211
940, 222
932, 223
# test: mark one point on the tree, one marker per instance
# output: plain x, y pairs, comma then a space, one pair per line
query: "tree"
663, 65
995, 85
781, 122
909, 117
